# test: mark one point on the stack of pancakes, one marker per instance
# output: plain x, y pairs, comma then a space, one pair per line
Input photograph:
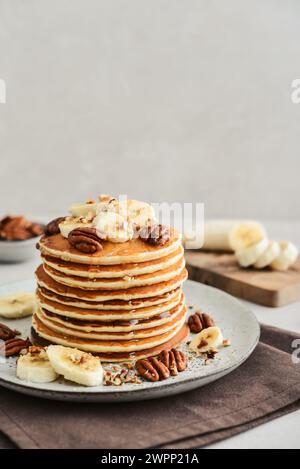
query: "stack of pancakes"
121, 303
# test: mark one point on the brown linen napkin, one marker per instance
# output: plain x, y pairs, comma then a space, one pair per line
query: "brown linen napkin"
266, 386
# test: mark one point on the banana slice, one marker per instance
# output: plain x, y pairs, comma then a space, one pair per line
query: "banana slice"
192, 239
117, 229
75, 365
71, 223
139, 213
287, 256
268, 256
207, 339
34, 366
83, 210
251, 254
244, 235
18, 305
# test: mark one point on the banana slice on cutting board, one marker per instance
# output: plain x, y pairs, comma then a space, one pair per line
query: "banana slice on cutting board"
244, 235
75, 365
35, 366
18, 305
269, 255
287, 256
249, 255
207, 339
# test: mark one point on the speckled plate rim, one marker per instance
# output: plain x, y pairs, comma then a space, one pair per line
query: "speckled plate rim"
174, 385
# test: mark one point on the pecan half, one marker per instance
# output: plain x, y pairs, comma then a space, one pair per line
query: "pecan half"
13, 347
6, 333
174, 360
199, 321
147, 370
156, 235
52, 227
85, 240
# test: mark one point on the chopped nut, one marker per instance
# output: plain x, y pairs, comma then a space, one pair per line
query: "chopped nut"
226, 343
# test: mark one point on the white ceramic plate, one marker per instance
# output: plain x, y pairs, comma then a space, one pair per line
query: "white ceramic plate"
237, 322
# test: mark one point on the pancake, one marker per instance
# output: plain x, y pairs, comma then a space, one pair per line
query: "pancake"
113, 271
176, 340
113, 305
117, 283
103, 346
119, 325
45, 281
86, 314
135, 250
95, 332
121, 303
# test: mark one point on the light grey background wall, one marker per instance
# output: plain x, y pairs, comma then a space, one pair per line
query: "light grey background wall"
163, 100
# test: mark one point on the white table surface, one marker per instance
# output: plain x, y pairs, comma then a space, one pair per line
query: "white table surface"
283, 432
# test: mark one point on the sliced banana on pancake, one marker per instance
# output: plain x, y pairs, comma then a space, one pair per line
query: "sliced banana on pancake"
72, 223
75, 365
18, 305
139, 213
116, 227
35, 366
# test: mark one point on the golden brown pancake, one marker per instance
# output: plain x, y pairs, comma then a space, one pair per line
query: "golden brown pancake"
114, 305
176, 340
102, 346
88, 314
117, 283
95, 332
44, 280
135, 250
113, 271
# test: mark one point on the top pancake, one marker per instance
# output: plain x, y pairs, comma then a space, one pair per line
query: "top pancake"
135, 250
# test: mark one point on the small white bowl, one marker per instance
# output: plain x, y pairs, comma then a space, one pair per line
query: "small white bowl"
18, 251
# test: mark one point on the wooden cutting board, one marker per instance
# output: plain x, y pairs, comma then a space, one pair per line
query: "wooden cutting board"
265, 287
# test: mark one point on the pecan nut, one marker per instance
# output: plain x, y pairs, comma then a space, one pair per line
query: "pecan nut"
147, 370
52, 227
6, 333
199, 321
85, 240
174, 360
18, 228
156, 235
13, 346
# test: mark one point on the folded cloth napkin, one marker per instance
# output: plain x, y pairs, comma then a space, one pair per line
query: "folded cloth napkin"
266, 386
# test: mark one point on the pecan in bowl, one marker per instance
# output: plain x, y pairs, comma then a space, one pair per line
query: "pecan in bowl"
85, 240
18, 228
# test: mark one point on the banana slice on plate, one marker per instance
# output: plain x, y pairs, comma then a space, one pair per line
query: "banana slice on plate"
75, 365
208, 338
248, 256
18, 305
244, 235
268, 256
34, 366
287, 256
